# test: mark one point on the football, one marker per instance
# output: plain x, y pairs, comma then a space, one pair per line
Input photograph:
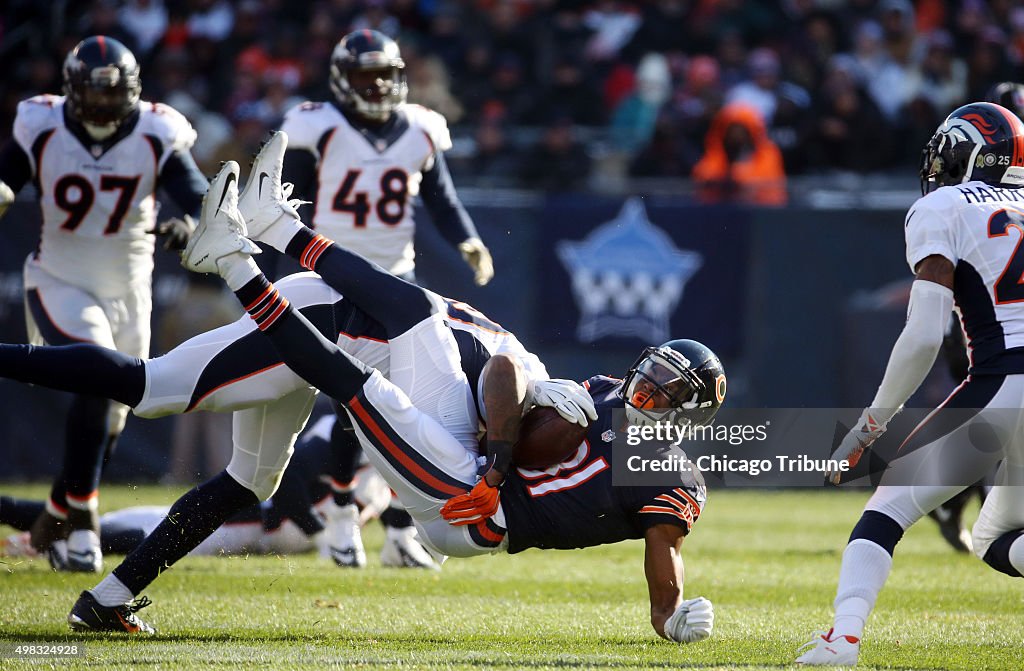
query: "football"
545, 439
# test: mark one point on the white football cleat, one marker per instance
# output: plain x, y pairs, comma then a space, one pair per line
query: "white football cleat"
264, 200
824, 650
221, 230
83, 552
57, 554
402, 550
344, 540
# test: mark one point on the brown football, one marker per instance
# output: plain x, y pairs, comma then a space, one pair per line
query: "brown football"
546, 439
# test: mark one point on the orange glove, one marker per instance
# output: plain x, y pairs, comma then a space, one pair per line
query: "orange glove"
474, 506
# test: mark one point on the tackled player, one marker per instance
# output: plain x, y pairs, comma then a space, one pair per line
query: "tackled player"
458, 511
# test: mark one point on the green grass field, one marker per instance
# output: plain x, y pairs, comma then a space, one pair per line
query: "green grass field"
768, 560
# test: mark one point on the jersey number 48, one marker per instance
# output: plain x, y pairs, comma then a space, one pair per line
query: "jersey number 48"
390, 206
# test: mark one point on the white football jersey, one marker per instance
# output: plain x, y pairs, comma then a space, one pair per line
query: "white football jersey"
490, 337
367, 185
98, 207
979, 228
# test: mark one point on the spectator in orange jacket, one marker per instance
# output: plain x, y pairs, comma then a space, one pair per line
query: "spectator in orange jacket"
740, 162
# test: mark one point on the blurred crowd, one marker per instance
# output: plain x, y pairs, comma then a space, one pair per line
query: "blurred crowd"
544, 93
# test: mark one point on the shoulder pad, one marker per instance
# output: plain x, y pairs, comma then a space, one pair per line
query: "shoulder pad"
34, 116
600, 384
168, 124
431, 123
306, 123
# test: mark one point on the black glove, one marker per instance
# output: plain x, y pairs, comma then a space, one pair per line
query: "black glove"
175, 232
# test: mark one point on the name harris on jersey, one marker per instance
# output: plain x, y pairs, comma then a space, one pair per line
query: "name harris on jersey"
993, 194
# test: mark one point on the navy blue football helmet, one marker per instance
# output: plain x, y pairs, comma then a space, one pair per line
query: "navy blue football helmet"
980, 141
101, 82
681, 382
368, 75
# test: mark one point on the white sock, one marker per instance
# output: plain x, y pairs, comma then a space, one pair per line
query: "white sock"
237, 269
112, 592
1016, 554
865, 568
281, 232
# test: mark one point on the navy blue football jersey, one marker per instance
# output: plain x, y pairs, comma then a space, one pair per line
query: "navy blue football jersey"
574, 504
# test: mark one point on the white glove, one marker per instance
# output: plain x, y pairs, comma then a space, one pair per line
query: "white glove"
692, 621
570, 399
6, 197
856, 442
478, 257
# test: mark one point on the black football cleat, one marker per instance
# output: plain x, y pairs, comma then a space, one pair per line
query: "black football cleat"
88, 615
949, 517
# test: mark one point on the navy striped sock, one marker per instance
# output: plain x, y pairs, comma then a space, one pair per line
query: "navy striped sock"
307, 246
263, 302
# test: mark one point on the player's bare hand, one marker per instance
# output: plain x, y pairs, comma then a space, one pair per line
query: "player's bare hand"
175, 232
474, 506
478, 257
569, 398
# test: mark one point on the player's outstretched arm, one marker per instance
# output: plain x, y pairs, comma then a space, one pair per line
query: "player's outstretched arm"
452, 220
931, 301
673, 618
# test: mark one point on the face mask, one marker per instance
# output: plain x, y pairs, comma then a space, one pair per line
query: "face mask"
99, 132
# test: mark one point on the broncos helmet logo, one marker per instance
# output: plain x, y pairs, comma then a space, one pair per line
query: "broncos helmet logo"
986, 129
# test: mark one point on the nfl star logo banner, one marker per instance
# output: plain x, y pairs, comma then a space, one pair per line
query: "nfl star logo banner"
644, 271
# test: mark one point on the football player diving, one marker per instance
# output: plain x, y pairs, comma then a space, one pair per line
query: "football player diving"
963, 246
463, 508
457, 366
96, 156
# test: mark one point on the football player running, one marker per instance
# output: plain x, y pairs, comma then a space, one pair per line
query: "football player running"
949, 515
361, 160
96, 155
233, 368
963, 246
458, 511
